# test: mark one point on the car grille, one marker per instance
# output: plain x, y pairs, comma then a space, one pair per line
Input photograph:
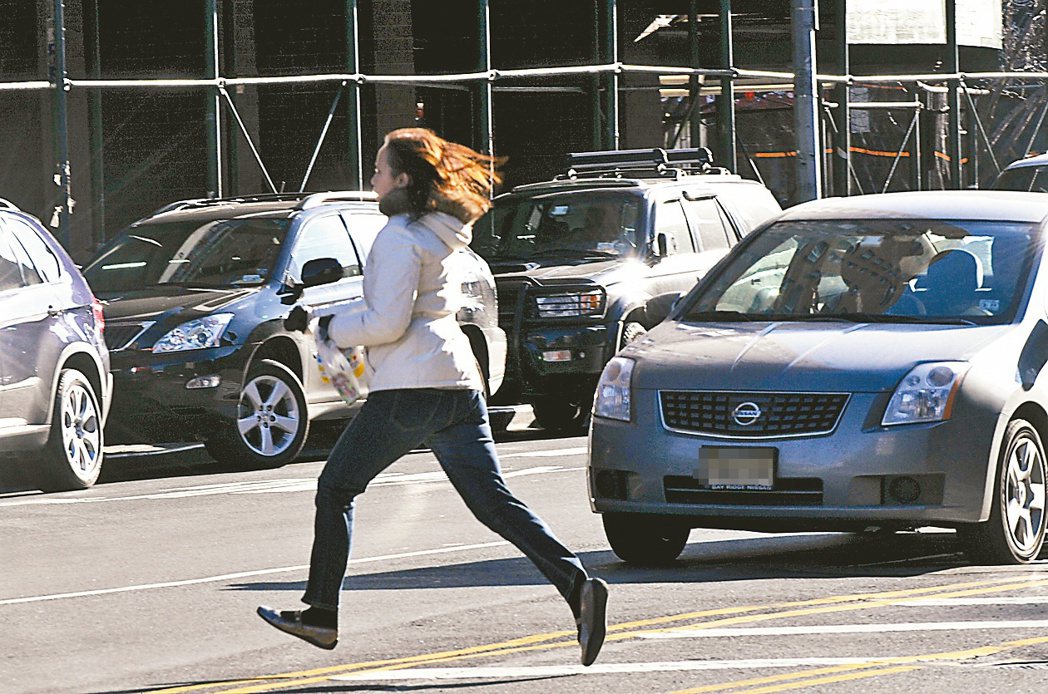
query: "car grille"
751, 415
120, 335
787, 492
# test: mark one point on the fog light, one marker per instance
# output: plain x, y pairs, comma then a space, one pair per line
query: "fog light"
557, 355
210, 381
611, 484
904, 490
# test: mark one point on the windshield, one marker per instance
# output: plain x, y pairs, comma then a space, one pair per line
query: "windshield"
583, 226
1024, 178
220, 254
895, 271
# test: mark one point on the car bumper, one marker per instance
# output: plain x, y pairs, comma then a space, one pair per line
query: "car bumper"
546, 356
151, 400
835, 480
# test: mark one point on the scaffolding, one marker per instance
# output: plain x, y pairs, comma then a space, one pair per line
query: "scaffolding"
950, 94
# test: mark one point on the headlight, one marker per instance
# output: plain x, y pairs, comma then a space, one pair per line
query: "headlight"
195, 334
926, 394
613, 390
573, 304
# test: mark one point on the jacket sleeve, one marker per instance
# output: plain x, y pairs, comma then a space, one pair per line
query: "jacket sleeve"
391, 280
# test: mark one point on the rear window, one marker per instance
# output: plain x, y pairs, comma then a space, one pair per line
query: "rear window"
1024, 178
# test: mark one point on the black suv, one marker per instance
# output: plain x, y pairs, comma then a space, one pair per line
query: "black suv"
54, 366
578, 260
196, 295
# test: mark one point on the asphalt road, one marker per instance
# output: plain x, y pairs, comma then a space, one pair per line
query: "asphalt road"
149, 582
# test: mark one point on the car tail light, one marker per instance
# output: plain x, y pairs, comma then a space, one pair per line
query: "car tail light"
100, 318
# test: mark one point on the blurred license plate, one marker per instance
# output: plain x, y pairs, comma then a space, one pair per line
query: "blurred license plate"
737, 468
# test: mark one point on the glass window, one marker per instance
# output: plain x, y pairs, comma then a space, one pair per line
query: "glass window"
218, 253
10, 274
30, 275
1026, 178
589, 225
707, 216
325, 237
39, 251
670, 220
875, 270
363, 228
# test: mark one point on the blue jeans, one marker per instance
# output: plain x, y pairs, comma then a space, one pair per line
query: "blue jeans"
454, 423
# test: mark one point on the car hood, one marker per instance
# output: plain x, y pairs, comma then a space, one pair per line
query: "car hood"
845, 357
153, 302
601, 271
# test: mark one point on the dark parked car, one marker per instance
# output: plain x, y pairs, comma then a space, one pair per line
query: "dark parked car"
1028, 175
578, 259
873, 361
54, 366
196, 296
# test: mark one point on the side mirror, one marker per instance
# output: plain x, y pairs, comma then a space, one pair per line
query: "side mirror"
662, 245
314, 272
659, 307
321, 271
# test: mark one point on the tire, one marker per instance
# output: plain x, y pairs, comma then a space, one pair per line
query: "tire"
561, 414
272, 421
631, 331
645, 540
72, 456
1014, 533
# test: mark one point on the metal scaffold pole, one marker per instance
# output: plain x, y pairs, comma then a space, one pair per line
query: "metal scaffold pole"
212, 124
482, 118
842, 115
806, 101
61, 126
953, 60
353, 125
93, 51
726, 103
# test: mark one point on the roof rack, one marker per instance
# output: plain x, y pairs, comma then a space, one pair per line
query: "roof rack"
658, 161
208, 202
317, 199
8, 205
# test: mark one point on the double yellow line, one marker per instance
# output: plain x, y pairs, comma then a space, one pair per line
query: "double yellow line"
714, 618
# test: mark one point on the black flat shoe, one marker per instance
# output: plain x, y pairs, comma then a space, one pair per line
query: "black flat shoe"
291, 623
592, 622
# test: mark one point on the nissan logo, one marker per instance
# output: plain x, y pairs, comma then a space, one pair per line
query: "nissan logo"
746, 413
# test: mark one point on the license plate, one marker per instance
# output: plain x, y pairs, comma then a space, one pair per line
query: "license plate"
742, 468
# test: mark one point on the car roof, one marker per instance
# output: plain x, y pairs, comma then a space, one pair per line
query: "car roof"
635, 184
991, 205
1039, 160
277, 206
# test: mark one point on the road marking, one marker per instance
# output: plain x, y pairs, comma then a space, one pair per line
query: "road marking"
616, 632
470, 673
279, 486
848, 629
242, 574
950, 602
553, 453
885, 668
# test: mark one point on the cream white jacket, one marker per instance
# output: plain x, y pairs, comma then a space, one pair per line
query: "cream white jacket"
411, 295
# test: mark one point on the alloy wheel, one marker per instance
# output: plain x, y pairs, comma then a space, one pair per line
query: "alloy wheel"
1024, 494
81, 431
268, 417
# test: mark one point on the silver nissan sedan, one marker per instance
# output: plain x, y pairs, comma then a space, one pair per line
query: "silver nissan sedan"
864, 362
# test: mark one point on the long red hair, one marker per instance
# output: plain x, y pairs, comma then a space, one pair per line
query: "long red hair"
445, 176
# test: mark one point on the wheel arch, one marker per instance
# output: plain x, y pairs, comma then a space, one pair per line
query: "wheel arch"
84, 361
281, 349
1036, 416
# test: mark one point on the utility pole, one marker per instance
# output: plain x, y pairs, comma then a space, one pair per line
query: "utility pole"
806, 98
